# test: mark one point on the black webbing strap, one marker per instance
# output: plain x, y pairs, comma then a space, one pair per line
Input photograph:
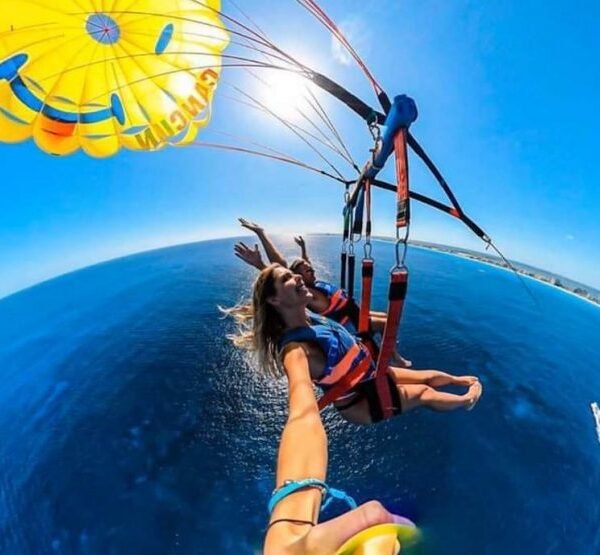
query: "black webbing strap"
384, 101
364, 322
353, 102
370, 115
452, 211
351, 271
439, 206
418, 150
359, 211
368, 225
347, 216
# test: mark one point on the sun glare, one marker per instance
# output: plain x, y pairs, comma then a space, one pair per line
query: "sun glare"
287, 94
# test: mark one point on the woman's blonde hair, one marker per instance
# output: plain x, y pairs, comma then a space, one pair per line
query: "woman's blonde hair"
259, 324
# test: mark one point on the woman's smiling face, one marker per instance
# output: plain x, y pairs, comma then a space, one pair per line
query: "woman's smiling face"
290, 289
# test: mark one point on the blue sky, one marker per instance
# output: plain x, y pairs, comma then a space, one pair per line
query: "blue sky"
508, 100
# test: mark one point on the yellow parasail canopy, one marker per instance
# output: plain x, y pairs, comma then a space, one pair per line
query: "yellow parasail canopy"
101, 75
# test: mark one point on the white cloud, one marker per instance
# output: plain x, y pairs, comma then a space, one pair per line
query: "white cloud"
357, 33
570, 237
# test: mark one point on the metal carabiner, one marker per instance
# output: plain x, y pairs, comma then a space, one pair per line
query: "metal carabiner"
376, 134
346, 197
375, 131
400, 247
401, 241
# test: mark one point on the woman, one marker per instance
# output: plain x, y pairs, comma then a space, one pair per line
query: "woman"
327, 299
277, 325
302, 459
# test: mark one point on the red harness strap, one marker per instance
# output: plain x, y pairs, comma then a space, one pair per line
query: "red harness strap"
398, 278
396, 296
402, 196
347, 379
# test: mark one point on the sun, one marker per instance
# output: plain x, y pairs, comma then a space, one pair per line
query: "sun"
287, 94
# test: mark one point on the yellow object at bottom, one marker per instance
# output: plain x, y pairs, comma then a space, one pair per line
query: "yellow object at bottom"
384, 539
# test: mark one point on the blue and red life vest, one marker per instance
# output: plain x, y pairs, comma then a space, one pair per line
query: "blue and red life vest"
349, 370
344, 356
344, 310
341, 308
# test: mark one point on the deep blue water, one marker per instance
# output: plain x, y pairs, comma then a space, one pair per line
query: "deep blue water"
129, 425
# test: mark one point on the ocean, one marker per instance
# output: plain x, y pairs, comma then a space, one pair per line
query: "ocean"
130, 425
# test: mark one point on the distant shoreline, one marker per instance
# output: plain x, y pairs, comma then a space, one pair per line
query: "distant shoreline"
579, 290
550, 281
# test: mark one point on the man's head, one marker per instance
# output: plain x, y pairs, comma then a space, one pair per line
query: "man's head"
303, 268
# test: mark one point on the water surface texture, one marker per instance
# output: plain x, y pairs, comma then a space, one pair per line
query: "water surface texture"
129, 424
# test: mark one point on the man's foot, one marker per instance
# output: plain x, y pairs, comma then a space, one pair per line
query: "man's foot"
400, 361
475, 391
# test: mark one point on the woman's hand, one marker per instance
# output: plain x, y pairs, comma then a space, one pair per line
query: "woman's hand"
254, 227
327, 538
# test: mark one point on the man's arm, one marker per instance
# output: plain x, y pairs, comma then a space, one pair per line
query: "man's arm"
273, 254
302, 244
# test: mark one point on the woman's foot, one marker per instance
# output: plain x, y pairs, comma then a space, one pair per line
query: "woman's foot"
465, 381
474, 393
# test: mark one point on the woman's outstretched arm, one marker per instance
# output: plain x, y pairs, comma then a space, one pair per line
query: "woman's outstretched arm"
303, 454
273, 254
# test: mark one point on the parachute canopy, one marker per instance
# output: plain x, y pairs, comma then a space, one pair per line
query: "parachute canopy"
140, 74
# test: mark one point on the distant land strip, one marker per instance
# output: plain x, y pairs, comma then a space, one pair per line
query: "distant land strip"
566, 284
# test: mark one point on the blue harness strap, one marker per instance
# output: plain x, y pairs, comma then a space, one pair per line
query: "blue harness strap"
292, 486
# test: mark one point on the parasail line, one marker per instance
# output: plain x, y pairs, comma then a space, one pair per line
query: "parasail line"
326, 140
254, 106
265, 155
276, 116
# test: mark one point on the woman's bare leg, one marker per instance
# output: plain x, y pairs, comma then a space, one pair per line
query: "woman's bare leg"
420, 395
432, 378
381, 316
